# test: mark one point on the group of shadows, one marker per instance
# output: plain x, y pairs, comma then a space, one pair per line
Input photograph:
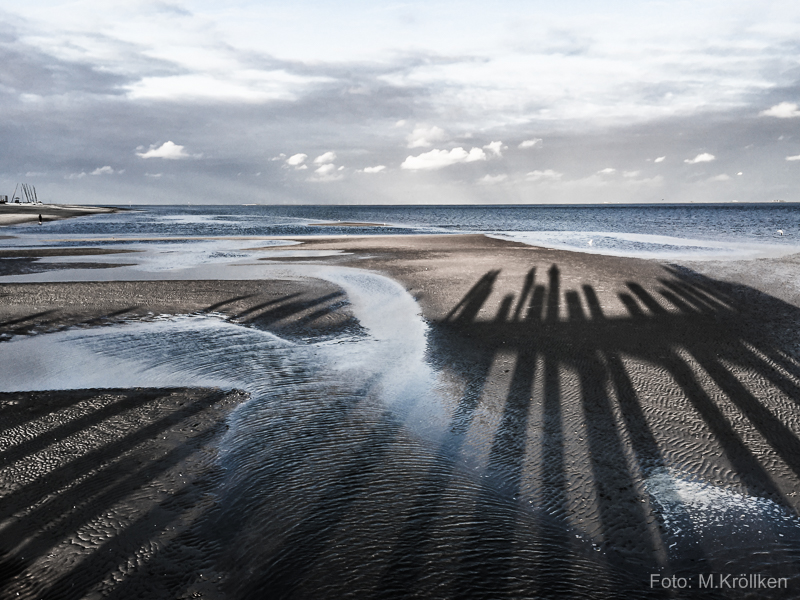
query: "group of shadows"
298, 315
721, 326
548, 329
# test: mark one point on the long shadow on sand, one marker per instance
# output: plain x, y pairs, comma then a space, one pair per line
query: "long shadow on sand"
706, 341
70, 499
336, 501
95, 469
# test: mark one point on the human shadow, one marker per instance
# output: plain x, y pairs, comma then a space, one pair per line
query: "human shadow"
698, 333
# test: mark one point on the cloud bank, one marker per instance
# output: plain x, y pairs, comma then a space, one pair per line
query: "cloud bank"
438, 159
258, 105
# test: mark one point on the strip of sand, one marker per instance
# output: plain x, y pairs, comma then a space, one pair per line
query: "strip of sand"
346, 224
15, 214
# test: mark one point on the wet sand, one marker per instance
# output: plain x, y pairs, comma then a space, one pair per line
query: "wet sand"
592, 374
347, 224
657, 360
289, 308
99, 486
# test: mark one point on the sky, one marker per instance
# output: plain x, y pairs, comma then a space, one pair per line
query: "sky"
434, 102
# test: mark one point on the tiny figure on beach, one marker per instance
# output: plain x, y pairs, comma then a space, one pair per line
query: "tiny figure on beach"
40, 218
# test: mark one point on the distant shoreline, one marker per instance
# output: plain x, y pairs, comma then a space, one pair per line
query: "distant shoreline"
16, 214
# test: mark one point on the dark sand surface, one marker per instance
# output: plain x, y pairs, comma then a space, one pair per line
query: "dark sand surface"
592, 371
100, 489
19, 261
286, 307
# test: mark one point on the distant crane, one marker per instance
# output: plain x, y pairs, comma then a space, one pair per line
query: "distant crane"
27, 195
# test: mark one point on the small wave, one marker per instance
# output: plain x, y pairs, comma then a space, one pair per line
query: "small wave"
708, 505
635, 245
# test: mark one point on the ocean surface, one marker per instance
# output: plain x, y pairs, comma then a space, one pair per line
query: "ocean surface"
353, 471
666, 232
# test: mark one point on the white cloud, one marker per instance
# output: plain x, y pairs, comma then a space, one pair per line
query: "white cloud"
34, 174
80, 175
495, 148
375, 169
534, 143
424, 137
784, 110
700, 158
327, 172
606, 171
721, 177
491, 179
103, 171
546, 175
660, 159
630, 173
167, 150
280, 156
795, 157
153, 175
295, 160
327, 157
237, 82
437, 159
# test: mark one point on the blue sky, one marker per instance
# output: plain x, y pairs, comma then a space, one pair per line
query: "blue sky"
407, 102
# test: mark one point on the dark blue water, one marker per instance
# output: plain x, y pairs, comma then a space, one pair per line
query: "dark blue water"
702, 231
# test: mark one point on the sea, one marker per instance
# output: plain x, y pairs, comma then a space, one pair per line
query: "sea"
666, 232
352, 471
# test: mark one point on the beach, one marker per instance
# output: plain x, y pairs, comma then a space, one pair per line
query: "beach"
594, 408
14, 214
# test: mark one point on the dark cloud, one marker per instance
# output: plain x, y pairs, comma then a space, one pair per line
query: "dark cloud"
171, 8
236, 139
27, 70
